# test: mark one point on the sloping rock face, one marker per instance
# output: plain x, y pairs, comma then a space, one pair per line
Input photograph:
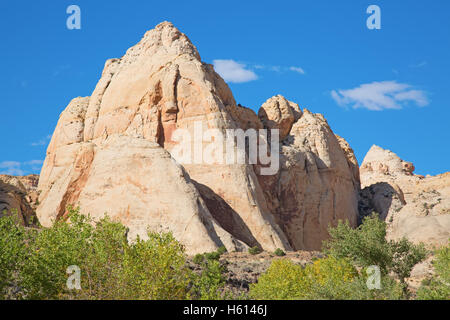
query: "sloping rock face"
19, 194
414, 206
317, 183
117, 152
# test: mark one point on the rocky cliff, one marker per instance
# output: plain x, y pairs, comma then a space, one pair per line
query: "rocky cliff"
19, 195
115, 152
414, 206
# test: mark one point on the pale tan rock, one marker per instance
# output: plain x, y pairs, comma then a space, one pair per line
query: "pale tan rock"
112, 152
279, 113
317, 184
160, 85
19, 195
423, 213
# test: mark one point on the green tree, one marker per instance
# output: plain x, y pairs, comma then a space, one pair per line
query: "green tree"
438, 286
367, 245
326, 278
111, 267
210, 283
12, 253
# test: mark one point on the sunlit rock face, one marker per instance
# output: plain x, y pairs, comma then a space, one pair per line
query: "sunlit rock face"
414, 206
114, 153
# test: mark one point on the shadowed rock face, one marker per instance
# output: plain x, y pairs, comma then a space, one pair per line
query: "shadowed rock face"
111, 153
19, 194
414, 206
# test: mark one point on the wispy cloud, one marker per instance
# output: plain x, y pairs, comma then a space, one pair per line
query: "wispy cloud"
60, 70
11, 168
279, 69
42, 142
232, 71
419, 65
297, 69
380, 96
16, 168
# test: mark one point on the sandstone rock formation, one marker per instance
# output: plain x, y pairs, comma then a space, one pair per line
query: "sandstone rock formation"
19, 194
115, 152
279, 113
316, 185
414, 206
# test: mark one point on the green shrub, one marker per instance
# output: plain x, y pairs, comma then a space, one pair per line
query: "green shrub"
254, 250
438, 286
212, 255
279, 252
155, 269
367, 245
389, 289
12, 253
209, 285
324, 279
327, 278
111, 268
283, 280
198, 258
222, 250
364, 246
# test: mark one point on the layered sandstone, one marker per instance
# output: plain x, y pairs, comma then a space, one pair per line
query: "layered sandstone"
317, 183
414, 206
115, 152
19, 195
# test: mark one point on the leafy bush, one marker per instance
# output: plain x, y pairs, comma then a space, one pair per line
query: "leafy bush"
279, 252
111, 268
209, 285
198, 258
367, 245
254, 250
222, 250
12, 253
438, 286
155, 269
335, 277
324, 279
364, 246
389, 289
283, 280
212, 255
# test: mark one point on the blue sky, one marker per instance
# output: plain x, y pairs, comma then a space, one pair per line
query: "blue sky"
388, 87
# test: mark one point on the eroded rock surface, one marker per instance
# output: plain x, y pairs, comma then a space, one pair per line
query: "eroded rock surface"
414, 206
19, 194
115, 152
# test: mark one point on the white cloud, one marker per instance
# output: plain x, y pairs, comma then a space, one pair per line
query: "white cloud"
34, 162
419, 65
15, 168
297, 69
380, 96
11, 168
275, 68
42, 142
231, 71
